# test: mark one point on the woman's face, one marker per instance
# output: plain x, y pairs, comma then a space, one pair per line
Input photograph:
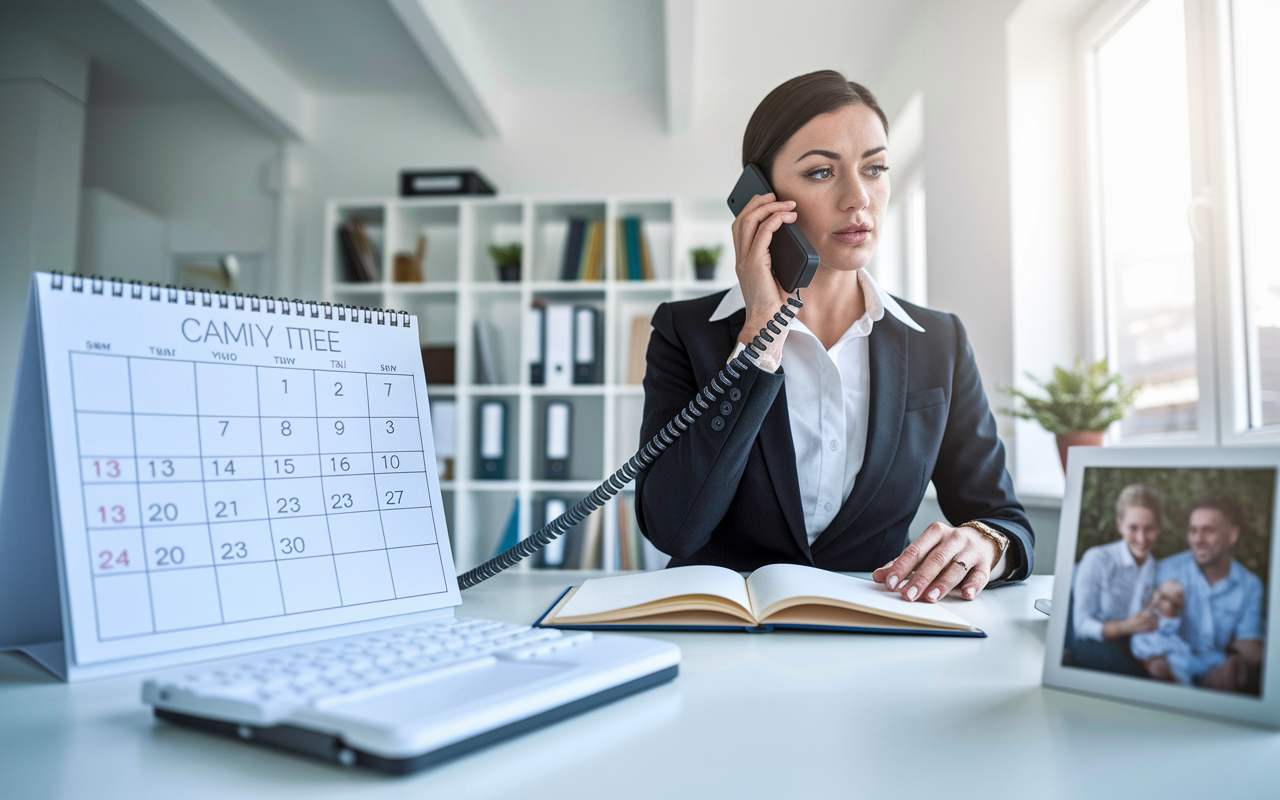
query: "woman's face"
1140, 528
835, 168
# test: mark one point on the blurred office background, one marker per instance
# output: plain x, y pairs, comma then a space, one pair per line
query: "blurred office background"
1074, 178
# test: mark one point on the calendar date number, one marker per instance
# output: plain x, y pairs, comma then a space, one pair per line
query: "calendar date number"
106, 469
108, 559
111, 514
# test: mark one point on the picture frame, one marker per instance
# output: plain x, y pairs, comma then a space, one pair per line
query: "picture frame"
1109, 640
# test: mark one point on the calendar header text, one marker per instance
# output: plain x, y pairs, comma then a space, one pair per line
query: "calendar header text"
252, 335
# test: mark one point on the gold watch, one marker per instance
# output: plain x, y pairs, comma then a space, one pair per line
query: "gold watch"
1001, 539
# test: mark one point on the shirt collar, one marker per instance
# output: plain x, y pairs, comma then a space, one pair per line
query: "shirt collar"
1126, 556
878, 301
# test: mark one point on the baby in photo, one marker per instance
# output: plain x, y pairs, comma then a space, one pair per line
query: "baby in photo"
1183, 663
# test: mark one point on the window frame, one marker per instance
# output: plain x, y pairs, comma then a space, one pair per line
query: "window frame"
1226, 347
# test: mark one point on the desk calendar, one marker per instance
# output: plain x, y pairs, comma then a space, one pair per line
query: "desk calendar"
202, 472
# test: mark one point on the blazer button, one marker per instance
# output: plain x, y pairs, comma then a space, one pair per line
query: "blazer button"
726, 408
717, 423
735, 395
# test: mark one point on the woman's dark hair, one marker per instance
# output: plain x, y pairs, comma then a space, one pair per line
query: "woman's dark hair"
789, 108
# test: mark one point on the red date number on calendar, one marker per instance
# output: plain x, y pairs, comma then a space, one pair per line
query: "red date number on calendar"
110, 560
106, 469
112, 514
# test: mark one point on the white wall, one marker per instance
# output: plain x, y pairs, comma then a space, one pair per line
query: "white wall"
201, 166
953, 54
42, 119
1047, 184
120, 239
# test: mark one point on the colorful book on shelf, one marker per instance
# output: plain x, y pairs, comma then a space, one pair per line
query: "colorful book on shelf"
367, 251
487, 369
629, 552
646, 266
573, 249
592, 541
634, 270
593, 254
641, 330
511, 533
706, 598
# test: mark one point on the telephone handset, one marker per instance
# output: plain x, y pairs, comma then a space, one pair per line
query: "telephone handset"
800, 261
794, 259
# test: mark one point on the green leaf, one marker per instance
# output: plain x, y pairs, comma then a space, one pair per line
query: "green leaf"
1085, 398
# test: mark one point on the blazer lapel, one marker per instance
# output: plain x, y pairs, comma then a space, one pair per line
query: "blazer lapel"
779, 452
887, 348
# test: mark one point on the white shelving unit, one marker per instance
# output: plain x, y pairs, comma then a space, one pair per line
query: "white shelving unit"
460, 284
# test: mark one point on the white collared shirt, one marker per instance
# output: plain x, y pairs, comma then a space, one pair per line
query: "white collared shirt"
1108, 586
829, 435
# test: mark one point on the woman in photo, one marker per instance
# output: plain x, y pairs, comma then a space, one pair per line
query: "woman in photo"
1112, 584
821, 453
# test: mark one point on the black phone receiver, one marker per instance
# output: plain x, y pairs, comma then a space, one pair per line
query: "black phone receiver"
794, 259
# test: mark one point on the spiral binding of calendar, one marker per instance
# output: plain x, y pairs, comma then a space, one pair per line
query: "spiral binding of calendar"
702, 402
137, 290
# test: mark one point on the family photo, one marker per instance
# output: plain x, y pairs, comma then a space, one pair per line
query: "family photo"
1171, 575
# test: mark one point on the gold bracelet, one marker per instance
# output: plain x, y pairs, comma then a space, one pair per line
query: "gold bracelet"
1001, 539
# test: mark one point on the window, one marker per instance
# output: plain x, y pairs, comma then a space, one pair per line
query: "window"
1183, 109
1255, 30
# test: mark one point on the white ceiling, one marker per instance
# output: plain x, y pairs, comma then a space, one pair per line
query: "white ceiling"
572, 44
126, 66
335, 46
332, 47
753, 45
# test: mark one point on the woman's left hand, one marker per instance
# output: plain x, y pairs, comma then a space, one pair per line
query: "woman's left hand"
941, 559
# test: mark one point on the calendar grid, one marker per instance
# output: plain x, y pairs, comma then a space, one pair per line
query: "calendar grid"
315, 406
266, 498
204, 491
198, 548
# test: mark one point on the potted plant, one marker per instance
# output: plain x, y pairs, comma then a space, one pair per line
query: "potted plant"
704, 261
506, 257
1082, 404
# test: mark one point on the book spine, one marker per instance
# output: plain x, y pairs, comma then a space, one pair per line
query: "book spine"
633, 249
620, 251
646, 265
572, 250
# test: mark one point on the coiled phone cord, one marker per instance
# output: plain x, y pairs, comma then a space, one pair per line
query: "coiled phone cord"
643, 458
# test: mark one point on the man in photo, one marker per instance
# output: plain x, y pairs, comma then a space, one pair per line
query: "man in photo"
1221, 617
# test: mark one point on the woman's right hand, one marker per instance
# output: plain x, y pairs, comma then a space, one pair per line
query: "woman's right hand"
753, 230
1145, 621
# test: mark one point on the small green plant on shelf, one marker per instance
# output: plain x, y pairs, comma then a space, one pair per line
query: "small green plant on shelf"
506, 257
1082, 403
705, 260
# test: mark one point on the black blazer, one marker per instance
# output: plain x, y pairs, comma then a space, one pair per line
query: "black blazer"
732, 497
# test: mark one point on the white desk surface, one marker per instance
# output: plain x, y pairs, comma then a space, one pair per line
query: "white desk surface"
787, 714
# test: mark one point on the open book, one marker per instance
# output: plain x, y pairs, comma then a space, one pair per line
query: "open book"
776, 596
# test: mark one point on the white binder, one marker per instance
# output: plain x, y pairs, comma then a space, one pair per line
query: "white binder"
559, 355
558, 423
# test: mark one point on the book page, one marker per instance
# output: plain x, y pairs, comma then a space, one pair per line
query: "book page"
779, 586
601, 595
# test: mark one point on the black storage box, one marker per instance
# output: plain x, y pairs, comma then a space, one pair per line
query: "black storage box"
434, 183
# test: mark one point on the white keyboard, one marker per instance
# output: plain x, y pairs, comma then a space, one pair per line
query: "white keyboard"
319, 676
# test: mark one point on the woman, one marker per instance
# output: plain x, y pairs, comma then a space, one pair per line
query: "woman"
1112, 584
825, 451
